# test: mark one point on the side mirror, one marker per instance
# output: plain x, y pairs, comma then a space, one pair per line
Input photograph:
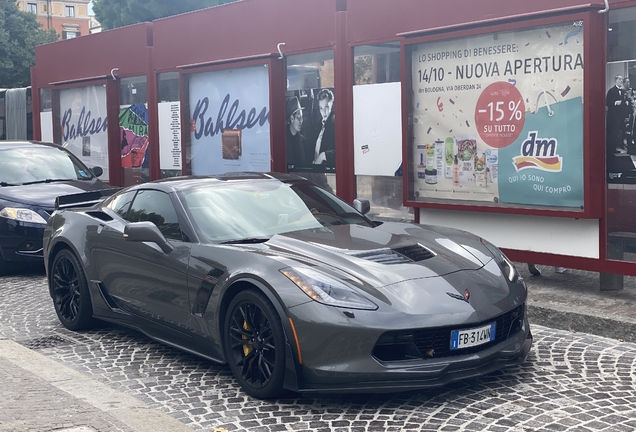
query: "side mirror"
97, 171
147, 232
362, 205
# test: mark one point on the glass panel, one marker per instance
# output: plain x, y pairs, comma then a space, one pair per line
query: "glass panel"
82, 124
377, 130
497, 119
169, 125
385, 195
310, 117
620, 145
229, 119
376, 64
133, 130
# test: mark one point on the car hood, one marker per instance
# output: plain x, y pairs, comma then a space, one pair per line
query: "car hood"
44, 194
379, 256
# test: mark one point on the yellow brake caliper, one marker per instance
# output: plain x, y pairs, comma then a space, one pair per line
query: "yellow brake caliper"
247, 348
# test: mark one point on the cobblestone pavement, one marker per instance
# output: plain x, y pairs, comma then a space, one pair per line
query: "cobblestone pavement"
571, 382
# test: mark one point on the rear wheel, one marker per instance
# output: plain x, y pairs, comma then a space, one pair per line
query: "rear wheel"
69, 289
255, 344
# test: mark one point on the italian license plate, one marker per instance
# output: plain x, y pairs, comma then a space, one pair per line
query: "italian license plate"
472, 337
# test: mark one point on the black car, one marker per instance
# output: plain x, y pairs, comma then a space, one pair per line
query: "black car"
32, 176
290, 285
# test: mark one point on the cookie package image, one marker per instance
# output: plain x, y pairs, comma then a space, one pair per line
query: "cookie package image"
231, 144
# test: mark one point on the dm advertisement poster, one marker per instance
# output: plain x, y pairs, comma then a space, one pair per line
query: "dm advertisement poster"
84, 125
229, 121
499, 117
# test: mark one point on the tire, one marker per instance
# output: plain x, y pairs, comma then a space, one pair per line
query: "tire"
69, 290
259, 367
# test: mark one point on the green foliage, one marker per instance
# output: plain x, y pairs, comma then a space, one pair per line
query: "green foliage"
20, 33
118, 13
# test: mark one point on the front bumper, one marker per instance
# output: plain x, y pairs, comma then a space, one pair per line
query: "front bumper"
338, 355
21, 241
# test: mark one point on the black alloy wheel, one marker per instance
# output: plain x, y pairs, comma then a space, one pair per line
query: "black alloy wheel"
69, 290
255, 344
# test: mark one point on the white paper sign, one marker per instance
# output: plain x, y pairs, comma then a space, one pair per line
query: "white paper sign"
377, 129
170, 135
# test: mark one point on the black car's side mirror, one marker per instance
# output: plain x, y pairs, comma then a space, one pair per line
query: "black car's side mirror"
97, 171
362, 205
147, 232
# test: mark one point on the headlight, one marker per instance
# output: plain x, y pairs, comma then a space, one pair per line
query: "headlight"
504, 263
326, 289
22, 214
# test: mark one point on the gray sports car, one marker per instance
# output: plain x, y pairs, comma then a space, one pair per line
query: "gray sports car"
291, 286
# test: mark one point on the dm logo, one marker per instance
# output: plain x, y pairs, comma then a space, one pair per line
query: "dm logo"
539, 153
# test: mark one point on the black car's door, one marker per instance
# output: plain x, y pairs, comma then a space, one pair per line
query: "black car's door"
139, 276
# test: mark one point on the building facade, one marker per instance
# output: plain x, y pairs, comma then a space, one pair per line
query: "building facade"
68, 18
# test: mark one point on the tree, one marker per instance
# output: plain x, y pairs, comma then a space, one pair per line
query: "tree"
20, 33
118, 13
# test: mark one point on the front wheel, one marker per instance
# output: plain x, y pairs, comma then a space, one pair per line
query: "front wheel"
69, 290
255, 344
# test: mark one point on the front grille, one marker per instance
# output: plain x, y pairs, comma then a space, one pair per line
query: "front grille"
438, 339
435, 342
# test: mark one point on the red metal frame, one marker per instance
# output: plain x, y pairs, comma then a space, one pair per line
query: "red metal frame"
592, 55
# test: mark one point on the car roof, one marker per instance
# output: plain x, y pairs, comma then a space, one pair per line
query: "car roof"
9, 145
189, 182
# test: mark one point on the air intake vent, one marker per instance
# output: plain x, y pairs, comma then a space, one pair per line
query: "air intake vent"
415, 252
384, 256
402, 255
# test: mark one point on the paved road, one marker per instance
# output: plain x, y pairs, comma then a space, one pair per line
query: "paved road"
571, 381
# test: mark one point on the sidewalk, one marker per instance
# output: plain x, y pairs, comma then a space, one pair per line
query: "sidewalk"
39, 394
573, 301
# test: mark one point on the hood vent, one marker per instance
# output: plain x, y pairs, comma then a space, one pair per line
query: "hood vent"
415, 252
402, 255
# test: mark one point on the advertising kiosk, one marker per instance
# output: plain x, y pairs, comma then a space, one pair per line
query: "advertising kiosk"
488, 118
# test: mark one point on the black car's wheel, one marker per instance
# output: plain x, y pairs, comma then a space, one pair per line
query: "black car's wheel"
255, 344
70, 292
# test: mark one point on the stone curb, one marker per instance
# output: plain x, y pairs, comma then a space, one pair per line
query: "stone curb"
582, 323
125, 408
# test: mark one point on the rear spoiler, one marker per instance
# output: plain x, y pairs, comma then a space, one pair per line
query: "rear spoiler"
84, 199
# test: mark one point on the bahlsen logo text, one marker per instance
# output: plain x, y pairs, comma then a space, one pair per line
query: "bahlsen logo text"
539, 153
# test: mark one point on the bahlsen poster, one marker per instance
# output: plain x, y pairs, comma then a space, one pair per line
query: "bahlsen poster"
499, 118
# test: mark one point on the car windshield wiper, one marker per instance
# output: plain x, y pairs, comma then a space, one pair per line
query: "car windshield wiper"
48, 181
247, 240
3, 184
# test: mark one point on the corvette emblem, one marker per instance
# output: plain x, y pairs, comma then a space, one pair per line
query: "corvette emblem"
465, 297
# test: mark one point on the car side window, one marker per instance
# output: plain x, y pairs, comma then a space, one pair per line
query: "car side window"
156, 207
121, 203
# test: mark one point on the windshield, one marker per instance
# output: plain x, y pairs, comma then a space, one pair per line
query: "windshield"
40, 164
249, 210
